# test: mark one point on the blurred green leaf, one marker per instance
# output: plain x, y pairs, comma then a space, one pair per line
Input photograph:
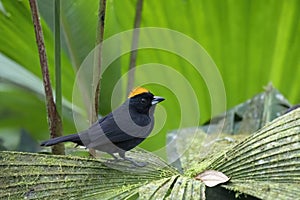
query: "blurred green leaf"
251, 42
19, 64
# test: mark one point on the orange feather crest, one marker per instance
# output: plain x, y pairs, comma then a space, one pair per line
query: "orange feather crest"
137, 91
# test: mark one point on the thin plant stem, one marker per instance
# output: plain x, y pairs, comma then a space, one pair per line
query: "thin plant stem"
58, 86
98, 58
54, 120
97, 65
134, 45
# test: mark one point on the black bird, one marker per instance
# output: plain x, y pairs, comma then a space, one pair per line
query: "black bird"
121, 130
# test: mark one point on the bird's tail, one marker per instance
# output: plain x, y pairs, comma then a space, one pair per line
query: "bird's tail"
68, 138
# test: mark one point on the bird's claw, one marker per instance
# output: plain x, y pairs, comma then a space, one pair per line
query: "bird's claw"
135, 163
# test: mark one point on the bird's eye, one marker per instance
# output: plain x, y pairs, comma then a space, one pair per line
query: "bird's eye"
143, 101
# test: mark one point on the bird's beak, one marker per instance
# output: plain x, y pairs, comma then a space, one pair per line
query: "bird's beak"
156, 100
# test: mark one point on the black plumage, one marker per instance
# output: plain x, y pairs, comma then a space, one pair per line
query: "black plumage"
121, 130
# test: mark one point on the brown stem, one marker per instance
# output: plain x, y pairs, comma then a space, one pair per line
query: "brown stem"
97, 77
98, 62
135, 39
54, 120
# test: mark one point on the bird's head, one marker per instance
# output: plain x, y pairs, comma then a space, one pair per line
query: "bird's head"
142, 100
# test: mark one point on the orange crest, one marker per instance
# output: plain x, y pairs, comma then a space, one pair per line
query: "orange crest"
137, 91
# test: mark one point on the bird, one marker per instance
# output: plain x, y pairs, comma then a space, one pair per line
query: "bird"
121, 130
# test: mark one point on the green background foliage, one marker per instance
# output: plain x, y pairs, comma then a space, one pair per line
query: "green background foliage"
252, 43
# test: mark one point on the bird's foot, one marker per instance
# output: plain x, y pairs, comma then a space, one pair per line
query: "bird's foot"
92, 153
135, 163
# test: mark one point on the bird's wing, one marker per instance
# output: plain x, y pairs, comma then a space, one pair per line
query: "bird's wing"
106, 131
